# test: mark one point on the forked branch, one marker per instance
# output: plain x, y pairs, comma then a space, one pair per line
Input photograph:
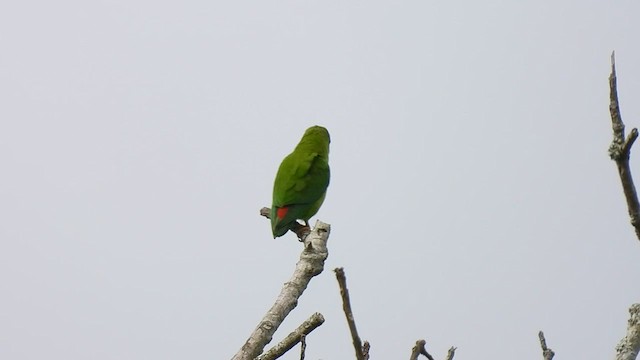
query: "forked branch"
295, 337
311, 263
620, 150
420, 349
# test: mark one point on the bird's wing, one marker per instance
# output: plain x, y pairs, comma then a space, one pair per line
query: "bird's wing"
301, 179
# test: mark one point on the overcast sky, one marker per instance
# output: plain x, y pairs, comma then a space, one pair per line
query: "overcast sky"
472, 199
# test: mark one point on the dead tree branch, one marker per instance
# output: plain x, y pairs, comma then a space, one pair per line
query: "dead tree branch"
311, 263
420, 349
346, 306
293, 338
620, 150
303, 346
451, 352
629, 346
365, 350
547, 353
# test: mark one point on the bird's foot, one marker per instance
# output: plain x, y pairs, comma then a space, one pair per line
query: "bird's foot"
301, 230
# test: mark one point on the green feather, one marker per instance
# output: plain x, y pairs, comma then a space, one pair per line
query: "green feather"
301, 182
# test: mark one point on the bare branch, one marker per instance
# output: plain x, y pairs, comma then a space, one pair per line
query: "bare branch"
346, 306
451, 352
303, 346
293, 338
311, 263
629, 346
546, 352
620, 150
420, 349
365, 350
614, 109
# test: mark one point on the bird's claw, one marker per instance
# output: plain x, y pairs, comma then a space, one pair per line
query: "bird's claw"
302, 231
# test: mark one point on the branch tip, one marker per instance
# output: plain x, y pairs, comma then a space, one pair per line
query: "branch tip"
365, 350
451, 352
346, 306
547, 353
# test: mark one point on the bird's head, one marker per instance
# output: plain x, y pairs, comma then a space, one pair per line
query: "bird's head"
317, 132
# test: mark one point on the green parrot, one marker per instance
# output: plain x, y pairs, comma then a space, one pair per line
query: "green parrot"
302, 181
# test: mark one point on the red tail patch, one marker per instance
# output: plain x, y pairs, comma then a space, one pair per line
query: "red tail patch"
282, 212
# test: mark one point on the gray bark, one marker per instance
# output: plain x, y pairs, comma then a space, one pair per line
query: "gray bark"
311, 263
629, 346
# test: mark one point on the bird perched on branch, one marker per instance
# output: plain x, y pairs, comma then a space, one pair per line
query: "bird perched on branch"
301, 183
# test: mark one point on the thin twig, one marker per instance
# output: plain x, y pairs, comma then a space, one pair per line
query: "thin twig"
303, 346
451, 352
629, 346
293, 338
420, 349
546, 352
620, 150
346, 306
365, 350
311, 263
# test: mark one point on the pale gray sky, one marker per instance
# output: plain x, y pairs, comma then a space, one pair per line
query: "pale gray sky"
472, 199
